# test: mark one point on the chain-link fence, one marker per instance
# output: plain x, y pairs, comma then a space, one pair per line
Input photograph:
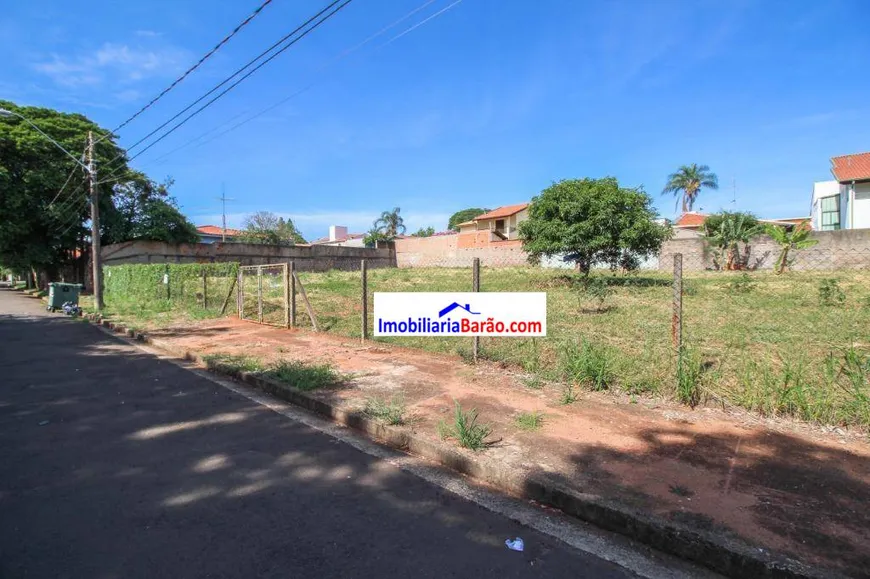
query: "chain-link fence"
775, 343
203, 288
264, 294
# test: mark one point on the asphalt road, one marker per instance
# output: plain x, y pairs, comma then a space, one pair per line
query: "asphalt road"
115, 463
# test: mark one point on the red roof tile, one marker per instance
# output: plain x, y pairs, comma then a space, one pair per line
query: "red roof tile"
215, 230
851, 167
691, 219
505, 211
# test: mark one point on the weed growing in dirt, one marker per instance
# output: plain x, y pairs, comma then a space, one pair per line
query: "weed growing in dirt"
390, 411
465, 429
680, 490
530, 421
233, 363
598, 291
305, 376
533, 382
689, 370
830, 293
569, 394
588, 364
742, 285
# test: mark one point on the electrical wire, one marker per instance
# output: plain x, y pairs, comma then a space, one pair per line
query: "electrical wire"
326, 65
237, 72
211, 52
68, 179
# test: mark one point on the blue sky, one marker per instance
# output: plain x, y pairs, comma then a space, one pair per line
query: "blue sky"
484, 105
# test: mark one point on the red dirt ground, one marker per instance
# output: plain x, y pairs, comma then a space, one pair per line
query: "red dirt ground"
784, 486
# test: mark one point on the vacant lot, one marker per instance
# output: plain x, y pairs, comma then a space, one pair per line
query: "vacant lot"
795, 344
773, 344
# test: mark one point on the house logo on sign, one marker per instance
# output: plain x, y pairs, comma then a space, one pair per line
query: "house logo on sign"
454, 306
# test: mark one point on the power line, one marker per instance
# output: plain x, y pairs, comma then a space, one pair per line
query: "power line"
239, 71
74, 215
242, 79
64, 205
326, 65
197, 65
68, 179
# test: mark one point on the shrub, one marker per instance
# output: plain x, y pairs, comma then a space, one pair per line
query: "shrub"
587, 364
597, 290
233, 363
465, 429
305, 376
689, 371
390, 411
743, 284
830, 293
530, 421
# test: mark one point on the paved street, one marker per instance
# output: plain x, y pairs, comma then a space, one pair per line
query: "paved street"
116, 463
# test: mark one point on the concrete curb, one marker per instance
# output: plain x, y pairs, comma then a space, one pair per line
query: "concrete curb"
729, 556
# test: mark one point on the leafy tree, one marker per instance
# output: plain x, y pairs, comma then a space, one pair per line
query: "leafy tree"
463, 216
267, 228
593, 221
725, 232
143, 209
36, 234
373, 236
390, 223
688, 181
796, 239
427, 232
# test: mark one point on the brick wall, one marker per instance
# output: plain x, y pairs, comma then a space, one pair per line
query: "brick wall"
458, 251
307, 258
845, 249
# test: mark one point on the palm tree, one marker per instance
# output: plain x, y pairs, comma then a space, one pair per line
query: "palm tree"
727, 232
688, 181
390, 223
796, 239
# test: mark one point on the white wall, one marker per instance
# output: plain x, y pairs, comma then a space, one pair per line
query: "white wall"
828, 189
862, 206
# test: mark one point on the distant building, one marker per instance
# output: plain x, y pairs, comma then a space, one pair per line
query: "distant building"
338, 235
843, 203
213, 233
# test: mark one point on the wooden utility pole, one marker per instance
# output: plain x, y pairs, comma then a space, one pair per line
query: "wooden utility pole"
95, 226
475, 287
364, 331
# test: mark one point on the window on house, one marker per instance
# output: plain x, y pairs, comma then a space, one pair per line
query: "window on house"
830, 213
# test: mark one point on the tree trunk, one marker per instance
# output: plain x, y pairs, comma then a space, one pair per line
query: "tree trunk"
783, 259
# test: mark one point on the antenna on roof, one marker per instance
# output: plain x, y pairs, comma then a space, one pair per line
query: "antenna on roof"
223, 199
734, 192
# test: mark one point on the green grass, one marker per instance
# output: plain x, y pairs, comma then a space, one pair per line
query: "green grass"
465, 429
304, 376
530, 421
234, 363
748, 340
389, 411
741, 330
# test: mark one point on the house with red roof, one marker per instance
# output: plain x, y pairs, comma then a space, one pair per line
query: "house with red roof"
500, 224
844, 202
213, 233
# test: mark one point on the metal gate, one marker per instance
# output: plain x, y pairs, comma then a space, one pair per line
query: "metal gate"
264, 294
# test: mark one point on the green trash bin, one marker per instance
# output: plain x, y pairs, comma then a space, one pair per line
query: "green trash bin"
61, 293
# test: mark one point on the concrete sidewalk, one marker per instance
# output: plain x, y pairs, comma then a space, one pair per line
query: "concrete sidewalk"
780, 486
116, 463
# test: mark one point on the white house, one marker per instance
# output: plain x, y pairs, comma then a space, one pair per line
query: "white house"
843, 203
339, 236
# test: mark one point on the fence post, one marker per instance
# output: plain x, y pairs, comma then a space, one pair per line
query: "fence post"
260, 294
475, 287
677, 321
286, 295
240, 293
365, 300
204, 290
293, 294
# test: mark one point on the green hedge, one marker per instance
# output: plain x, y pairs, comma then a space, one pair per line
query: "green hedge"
164, 287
